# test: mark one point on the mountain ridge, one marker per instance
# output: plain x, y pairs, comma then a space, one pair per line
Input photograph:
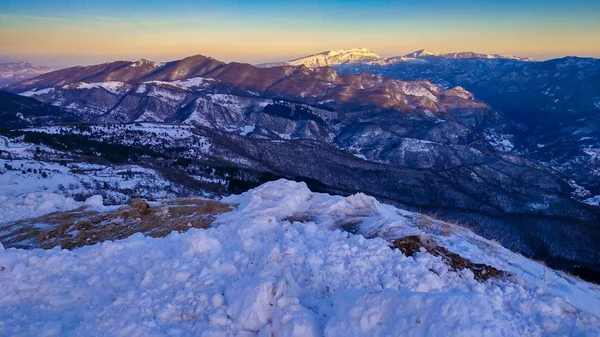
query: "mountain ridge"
364, 55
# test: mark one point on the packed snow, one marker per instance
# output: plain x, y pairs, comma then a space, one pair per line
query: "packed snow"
281, 265
114, 87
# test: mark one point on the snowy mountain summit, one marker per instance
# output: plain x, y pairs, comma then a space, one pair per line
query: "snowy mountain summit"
290, 262
330, 58
424, 53
365, 56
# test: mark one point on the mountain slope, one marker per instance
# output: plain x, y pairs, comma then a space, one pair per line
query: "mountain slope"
556, 102
17, 111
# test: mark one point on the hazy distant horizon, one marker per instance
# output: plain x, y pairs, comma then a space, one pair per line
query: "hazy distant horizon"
63, 33
58, 61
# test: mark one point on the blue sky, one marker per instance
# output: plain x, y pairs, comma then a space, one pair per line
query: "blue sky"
65, 32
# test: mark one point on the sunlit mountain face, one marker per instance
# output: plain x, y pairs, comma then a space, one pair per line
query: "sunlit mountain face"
299, 168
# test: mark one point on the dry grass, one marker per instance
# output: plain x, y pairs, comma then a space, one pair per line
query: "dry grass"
431, 225
299, 217
411, 244
82, 226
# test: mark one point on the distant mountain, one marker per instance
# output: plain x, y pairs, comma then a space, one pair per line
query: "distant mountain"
329, 58
556, 103
427, 54
18, 71
422, 53
321, 87
363, 55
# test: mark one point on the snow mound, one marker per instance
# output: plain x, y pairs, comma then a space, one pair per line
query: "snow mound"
95, 201
281, 265
32, 205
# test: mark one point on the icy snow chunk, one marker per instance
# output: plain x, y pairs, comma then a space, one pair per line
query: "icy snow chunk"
281, 198
201, 243
49, 201
95, 201
250, 305
295, 321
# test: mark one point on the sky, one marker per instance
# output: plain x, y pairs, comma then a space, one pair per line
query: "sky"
61, 33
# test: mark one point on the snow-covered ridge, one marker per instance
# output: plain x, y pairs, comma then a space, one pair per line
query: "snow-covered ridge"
331, 57
422, 53
114, 87
363, 55
282, 264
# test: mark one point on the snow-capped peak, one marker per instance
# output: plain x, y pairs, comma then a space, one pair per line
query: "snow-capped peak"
331, 58
422, 53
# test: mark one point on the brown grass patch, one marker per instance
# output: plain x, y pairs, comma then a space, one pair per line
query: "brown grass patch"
410, 244
299, 217
81, 227
431, 225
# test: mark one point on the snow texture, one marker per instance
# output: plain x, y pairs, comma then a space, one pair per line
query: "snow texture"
280, 265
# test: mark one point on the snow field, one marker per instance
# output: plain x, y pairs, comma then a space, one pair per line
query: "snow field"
257, 274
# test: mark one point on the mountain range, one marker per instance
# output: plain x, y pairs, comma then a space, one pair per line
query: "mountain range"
364, 55
424, 131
